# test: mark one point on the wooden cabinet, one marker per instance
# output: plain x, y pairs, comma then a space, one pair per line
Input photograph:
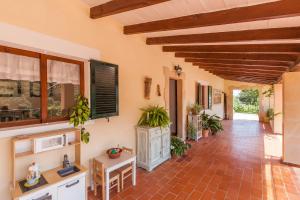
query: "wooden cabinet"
153, 146
195, 121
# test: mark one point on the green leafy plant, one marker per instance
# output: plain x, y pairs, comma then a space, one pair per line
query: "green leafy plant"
79, 115
154, 116
195, 109
205, 121
215, 124
191, 130
211, 122
270, 114
178, 146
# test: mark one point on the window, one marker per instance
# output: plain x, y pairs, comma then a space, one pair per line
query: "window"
37, 88
104, 89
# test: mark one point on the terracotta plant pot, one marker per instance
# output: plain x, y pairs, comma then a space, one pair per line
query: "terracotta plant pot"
205, 133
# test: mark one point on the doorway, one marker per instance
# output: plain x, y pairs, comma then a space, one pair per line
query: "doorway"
173, 106
246, 104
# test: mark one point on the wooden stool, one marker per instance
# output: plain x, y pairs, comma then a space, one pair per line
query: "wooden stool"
125, 171
98, 175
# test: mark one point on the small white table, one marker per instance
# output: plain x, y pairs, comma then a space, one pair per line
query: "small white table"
113, 164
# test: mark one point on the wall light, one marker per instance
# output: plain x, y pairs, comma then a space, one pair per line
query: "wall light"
178, 69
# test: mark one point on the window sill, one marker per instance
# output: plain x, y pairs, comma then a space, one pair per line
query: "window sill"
36, 128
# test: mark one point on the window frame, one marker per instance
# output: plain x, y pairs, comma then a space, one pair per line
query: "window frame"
43, 81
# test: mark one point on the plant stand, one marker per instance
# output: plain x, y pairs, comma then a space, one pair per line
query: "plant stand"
196, 121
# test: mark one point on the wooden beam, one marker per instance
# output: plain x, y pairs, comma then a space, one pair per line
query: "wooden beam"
241, 56
268, 70
248, 79
231, 36
268, 48
239, 62
271, 10
119, 6
243, 72
250, 67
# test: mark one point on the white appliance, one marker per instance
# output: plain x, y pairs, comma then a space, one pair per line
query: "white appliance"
49, 143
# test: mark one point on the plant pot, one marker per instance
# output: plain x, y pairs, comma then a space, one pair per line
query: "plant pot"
205, 133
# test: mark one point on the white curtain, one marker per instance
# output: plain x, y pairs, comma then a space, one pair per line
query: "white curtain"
15, 67
63, 73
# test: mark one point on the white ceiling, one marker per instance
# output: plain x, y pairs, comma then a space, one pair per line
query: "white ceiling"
177, 8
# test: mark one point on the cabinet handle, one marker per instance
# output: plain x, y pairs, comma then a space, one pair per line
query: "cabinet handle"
72, 184
42, 197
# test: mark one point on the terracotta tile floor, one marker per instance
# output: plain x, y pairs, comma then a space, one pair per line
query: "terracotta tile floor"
232, 165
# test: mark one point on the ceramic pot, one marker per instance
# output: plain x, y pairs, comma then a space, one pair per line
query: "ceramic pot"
205, 133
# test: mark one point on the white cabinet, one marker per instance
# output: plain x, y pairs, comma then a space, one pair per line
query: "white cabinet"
74, 190
153, 146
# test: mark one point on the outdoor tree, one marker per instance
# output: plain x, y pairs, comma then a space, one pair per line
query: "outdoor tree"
249, 97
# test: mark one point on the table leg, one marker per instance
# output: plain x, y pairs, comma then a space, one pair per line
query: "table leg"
107, 185
134, 172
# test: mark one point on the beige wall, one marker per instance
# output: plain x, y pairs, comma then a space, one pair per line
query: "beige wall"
70, 20
291, 117
278, 108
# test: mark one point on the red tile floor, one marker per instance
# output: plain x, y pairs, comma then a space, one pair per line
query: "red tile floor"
231, 165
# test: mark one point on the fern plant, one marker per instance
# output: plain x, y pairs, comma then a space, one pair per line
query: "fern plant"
178, 146
80, 115
154, 116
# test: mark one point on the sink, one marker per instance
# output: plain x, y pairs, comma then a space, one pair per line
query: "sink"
68, 171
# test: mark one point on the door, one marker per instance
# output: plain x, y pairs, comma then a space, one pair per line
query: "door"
225, 106
173, 106
46, 194
155, 149
74, 190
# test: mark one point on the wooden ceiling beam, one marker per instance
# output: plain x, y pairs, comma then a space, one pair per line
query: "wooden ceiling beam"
246, 78
248, 67
267, 48
119, 6
241, 56
239, 62
230, 36
242, 72
242, 68
271, 10
269, 82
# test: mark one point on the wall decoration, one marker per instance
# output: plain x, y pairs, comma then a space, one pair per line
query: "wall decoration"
217, 96
158, 90
10, 88
147, 89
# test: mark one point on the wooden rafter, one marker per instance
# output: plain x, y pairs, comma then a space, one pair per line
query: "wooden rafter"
119, 6
241, 56
249, 79
231, 36
236, 66
243, 72
239, 62
282, 48
271, 10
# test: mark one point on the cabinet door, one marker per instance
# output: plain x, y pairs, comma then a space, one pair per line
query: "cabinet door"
74, 190
166, 145
46, 194
155, 149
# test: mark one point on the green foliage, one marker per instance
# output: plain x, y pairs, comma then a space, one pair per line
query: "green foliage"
242, 108
195, 108
191, 130
269, 92
249, 97
211, 122
80, 115
270, 114
154, 116
178, 146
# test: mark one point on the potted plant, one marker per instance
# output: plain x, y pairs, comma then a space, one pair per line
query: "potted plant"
195, 109
205, 124
80, 115
215, 124
178, 146
154, 116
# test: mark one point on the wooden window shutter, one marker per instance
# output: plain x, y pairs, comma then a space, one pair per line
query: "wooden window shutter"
104, 89
209, 97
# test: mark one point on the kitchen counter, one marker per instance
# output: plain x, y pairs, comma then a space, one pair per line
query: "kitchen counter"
52, 178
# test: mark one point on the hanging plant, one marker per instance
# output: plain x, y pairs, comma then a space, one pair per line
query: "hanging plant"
79, 116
